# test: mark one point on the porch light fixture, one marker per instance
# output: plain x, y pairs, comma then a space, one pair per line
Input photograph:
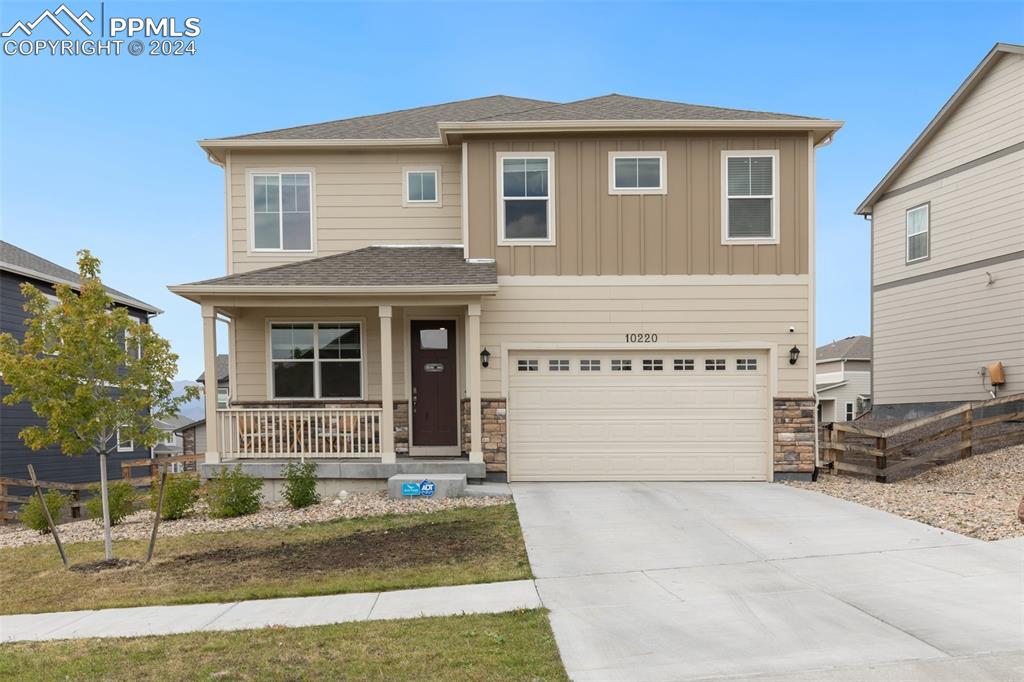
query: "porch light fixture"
485, 357
794, 354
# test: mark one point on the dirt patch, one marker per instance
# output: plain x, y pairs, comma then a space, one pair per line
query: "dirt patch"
105, 565
385, 549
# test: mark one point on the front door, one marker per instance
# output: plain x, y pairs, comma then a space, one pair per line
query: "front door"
434, 383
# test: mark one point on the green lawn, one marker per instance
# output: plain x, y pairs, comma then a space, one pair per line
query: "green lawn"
454, 547
507, 646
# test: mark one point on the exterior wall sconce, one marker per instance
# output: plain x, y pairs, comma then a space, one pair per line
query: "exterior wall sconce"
794, 355
485, 357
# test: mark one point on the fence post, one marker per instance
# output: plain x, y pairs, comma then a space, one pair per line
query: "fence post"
881, 461
76, 509
838, 438
967, 435
3, 502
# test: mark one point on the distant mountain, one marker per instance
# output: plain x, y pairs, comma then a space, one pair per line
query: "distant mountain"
193, 409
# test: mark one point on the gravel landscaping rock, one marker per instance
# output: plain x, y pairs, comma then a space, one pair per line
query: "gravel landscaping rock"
139, 525
978, 496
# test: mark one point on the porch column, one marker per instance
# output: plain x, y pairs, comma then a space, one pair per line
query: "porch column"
476, 452
387, 398
210, 385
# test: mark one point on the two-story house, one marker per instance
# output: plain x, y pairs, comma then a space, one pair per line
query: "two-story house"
17, 267
843, 379
609, 289
947, 251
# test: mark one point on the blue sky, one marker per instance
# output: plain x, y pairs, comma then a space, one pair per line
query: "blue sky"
100, 152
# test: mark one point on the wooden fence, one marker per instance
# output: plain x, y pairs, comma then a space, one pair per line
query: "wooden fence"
894, 460
75, 490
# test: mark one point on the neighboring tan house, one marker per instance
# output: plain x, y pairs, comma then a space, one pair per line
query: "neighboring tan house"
844, 379
610, 289
947, 240
17, 267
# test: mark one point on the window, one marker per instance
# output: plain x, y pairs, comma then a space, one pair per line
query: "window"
622, 365
316, 359
422, 186
849, 412
434, 339
590, 365
132, 346
918, 230
281, 212
683, 365
749, 208
715, 365
124, 445
558, 365
177, 468
653, 365
636, 173
524, 202
223, 396
527, 365
746, 364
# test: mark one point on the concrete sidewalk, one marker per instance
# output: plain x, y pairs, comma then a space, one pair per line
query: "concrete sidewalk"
259, 613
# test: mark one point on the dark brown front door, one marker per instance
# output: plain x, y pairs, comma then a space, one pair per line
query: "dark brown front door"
434, 383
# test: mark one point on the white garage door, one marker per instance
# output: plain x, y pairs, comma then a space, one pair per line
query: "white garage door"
603, 416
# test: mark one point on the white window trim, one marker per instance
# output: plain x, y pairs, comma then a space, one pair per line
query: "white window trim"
251, 219
130, 447
550, 156
927, 232
724, 179
662, 188
406, 201
363, 360
224, 391
850, 412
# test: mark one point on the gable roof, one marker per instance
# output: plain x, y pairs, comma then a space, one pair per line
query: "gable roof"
222, 367
373, 269
22, 262
965, 89
850, 348
431, 124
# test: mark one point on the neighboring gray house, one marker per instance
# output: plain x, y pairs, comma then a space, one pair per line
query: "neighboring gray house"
843, 379
171, 443
947, 240
223, 365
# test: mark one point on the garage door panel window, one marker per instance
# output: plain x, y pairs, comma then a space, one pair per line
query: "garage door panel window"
558, 365
683, 365
714, 365
527, 366
590, 365
316, 360
622, 365
653, 365
746, 364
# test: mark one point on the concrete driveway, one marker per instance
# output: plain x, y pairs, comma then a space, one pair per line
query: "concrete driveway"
682, 581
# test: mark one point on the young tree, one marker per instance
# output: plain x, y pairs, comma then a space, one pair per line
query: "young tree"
91, 371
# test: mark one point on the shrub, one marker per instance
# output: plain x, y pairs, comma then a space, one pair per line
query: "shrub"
300, 484
233, 493
181, 492
32, 512
121, 497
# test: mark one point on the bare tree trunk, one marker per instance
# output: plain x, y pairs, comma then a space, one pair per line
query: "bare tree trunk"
106, 507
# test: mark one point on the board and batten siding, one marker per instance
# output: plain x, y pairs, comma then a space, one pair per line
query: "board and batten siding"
975, 214
991, 118
720, 309
679, 232
358, 198
931, 338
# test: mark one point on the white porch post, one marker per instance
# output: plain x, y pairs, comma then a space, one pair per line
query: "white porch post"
476, 452
210, 386
387, 398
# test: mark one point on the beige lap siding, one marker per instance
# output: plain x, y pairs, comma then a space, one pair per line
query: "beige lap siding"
705, 311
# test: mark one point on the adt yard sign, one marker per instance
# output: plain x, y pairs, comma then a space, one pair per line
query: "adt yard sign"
424, 488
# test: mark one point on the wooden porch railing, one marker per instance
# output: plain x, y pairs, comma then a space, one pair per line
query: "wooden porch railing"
270, 432
893, 460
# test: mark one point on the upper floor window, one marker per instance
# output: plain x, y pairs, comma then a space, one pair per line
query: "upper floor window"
422, 186
918, 229
750, 211
281, 212
525, 213
636, 173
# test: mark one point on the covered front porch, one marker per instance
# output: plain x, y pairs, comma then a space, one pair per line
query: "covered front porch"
368, 380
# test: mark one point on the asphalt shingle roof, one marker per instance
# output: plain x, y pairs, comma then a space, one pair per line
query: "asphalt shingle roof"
851, 348
223, 369
21, 261
372, 266
421, 122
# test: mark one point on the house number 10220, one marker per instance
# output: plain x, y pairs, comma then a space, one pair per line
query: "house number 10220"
641, 338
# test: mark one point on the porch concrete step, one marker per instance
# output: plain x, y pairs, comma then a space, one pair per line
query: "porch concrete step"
429, 485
